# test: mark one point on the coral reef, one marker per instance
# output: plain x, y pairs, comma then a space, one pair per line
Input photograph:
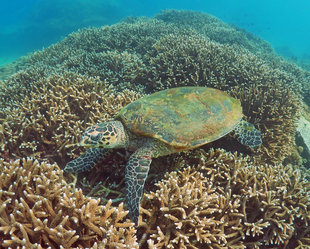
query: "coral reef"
184, 213
123, 70
197, 61
221, 201
7, 70
275, 109
131, 40
224, 200
49, 122
21, 84
38, 209
215, 29
218, 199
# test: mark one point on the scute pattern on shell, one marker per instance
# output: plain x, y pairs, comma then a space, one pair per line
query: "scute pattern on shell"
168, 114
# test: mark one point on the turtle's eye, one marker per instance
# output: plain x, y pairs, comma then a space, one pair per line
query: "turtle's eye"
96, 137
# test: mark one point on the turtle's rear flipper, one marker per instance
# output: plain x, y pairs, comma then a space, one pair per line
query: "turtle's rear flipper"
247, 134
87, 160
136, 172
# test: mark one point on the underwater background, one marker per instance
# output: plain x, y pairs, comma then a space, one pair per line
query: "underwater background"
27, 26
67, 65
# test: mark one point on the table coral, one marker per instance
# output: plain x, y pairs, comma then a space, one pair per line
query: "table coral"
39, 209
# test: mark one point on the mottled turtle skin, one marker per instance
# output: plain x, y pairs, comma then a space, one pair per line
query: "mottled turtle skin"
163, 123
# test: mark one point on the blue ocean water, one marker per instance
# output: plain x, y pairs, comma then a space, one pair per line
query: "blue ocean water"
29, 25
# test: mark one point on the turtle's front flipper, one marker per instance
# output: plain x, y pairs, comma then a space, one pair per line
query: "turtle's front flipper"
136, 172
247, 134
87, 160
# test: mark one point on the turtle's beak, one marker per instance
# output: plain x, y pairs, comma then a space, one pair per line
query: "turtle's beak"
81, 143
91, 139
84, 142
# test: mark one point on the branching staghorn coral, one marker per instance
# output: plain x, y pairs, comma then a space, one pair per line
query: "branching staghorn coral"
50, 120
199, 61
250, 205
22, 83
123, 70
38, 209
214, 29
186, 212
274, 194
275, 109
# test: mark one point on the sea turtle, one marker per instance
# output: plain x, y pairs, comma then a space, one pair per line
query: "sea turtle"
163, 123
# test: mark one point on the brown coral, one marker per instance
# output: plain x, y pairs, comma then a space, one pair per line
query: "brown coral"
215, 29
275, 109
223, 33
186, 212
50, 120
38, 208
123, 70
227, 201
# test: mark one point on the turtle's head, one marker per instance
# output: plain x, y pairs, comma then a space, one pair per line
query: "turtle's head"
105, 135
